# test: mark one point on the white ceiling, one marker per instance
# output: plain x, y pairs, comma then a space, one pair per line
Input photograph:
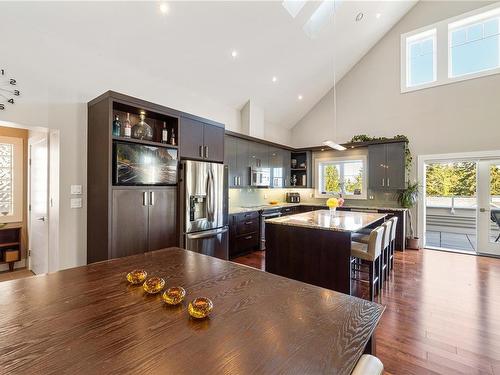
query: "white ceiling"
191, 45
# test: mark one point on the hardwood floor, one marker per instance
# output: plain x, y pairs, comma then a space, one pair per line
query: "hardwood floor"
442, 313
16, 274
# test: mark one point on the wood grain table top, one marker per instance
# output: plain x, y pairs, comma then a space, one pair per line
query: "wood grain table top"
342, 221
89, 320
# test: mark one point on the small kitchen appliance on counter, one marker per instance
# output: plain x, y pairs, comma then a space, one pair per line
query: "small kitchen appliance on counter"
293, 197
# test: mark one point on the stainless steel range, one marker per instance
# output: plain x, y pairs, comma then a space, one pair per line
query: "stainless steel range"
204, 208
264, 215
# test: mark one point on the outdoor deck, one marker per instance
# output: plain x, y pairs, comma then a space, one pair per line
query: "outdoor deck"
452, 224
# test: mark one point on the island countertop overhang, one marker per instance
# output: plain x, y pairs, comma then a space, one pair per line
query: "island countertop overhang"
341, 221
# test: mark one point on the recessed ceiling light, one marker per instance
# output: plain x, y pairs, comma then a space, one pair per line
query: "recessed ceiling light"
274, 79
359, 17
378, 15
234, 54
164, 8
300, 97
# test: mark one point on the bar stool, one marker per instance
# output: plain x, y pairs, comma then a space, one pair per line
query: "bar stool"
368, 365
393, 240
384, 256
386, 250
370, 253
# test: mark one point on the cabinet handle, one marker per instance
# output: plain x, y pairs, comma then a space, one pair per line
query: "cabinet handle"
248, 237
239, 181
388, 181
206, 152
248, 222
383, 182
235, 180
151, 198
144, 198
201, 151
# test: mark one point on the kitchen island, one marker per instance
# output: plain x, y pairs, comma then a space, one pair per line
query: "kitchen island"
315, 247
89, 320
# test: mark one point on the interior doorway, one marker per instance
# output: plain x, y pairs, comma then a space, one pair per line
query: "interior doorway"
38, 223
459, 208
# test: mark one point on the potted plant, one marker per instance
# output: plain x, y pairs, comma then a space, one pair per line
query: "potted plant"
407, 198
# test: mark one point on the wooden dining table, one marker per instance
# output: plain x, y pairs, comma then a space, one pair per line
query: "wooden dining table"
90, 320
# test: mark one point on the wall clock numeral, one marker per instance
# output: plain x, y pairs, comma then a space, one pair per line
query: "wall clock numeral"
11, 101
16, 92
12, 81
2, 107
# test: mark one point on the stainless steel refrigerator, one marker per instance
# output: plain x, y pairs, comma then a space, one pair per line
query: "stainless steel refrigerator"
204, 208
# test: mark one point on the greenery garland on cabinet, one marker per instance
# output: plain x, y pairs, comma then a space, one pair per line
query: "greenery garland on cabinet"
399, 137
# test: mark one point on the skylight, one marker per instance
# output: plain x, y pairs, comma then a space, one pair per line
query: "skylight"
293, 6
320, 18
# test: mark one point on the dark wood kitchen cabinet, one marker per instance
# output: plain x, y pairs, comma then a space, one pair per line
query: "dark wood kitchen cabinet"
236, 157
386, 166
200, 140
163, 230
279, 163
244, 233
258, 155
118, 221
143, 220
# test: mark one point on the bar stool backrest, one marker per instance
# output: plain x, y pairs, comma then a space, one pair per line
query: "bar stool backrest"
387, 233
394, 220
375, 242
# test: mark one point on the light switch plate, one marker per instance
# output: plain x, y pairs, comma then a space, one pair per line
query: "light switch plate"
76, 202
76, 189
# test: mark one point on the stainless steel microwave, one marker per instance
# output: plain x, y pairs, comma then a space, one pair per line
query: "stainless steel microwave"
260, 177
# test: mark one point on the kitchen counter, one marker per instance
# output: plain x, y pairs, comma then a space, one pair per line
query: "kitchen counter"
344, 221
239, 209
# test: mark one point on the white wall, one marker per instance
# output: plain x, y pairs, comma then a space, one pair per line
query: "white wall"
463, 116
56, 85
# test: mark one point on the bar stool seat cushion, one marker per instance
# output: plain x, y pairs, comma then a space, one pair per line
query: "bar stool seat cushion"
368, 365
360, 237
360, 250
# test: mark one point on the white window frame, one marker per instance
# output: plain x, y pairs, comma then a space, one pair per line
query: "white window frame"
442, 54
17, 180
419, 37
364, 191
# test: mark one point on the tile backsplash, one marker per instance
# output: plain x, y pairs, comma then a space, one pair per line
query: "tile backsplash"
254, 197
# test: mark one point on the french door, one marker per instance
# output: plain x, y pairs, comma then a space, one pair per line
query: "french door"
488, 213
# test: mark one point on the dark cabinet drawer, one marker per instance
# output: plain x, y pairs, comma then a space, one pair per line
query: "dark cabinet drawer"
247, 242
247, 226
247, 216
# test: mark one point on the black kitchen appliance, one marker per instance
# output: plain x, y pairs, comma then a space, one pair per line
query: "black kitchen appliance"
293, 197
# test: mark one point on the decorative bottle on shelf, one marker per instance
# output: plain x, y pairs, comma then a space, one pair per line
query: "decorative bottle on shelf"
142, 130
117, 125
127, 127
164, 133
294, 180
172, 138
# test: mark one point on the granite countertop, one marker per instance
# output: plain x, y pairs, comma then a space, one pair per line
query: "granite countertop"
342, 221
237, 210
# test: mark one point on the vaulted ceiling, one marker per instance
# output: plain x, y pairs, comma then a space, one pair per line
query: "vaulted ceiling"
191, 45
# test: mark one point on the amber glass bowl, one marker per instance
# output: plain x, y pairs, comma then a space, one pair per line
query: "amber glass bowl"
200, 307
136, 276
154, 285
174, 295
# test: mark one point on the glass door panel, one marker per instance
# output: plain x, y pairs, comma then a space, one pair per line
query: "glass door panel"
489, 207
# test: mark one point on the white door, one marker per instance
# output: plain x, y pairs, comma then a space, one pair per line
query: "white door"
488, 195
39, 224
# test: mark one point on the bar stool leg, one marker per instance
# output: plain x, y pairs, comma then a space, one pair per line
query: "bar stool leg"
371, 278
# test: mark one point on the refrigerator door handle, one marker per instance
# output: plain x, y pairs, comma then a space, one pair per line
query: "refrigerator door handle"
210, 196
207, 234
